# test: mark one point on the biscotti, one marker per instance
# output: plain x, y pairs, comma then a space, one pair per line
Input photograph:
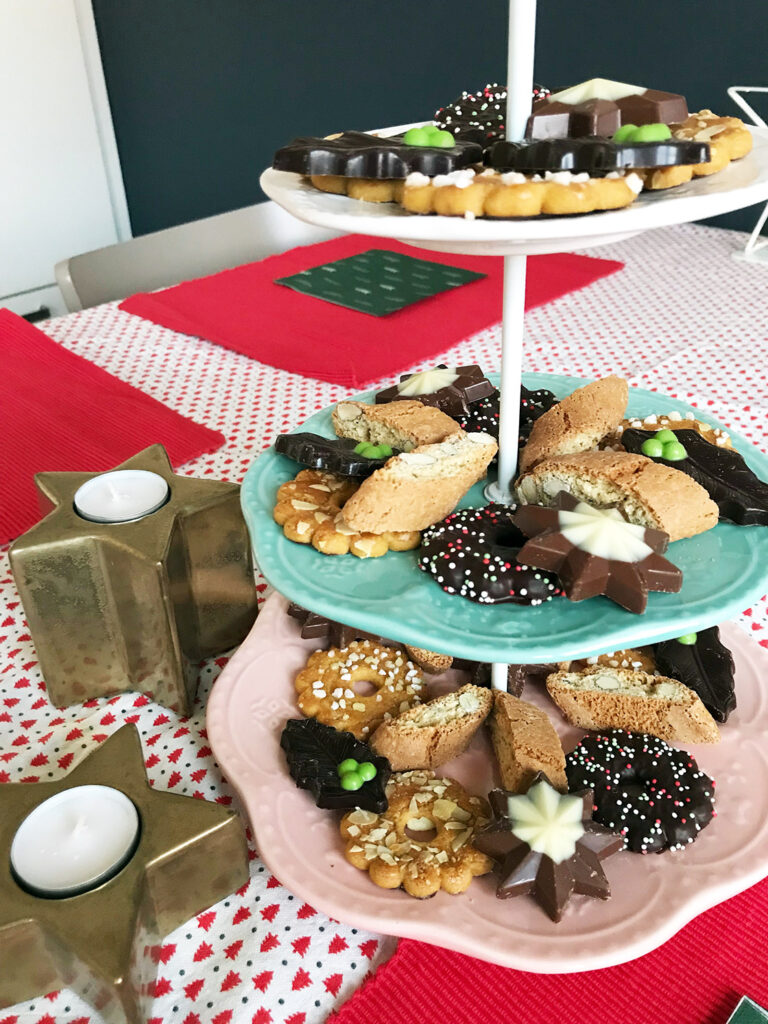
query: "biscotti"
429, 661
404, 425
430, 735
615, 698
420, 486
578, 423
648, 493
525, 742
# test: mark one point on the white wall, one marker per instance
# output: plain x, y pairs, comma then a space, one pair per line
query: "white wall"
56, 197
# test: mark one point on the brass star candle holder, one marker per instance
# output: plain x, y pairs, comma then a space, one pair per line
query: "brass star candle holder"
134, 603
180, 855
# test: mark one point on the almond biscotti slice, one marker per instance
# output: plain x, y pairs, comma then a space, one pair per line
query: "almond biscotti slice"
648, 493
525, 742
433, 733
403, 425
420, 486
579, 422
617, 698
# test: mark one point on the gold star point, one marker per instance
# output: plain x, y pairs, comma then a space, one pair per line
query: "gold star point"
190, 854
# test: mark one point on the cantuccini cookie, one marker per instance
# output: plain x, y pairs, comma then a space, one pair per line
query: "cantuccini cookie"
525, 742
422, 486
433, 733
309, 509
651, 495
578, 423
615, 698
327, 686
423, 842
403, 425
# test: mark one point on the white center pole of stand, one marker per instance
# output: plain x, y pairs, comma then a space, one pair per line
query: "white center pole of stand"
520, 52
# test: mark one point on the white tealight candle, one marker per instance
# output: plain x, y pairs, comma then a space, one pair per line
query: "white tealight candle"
121, 497
75, 841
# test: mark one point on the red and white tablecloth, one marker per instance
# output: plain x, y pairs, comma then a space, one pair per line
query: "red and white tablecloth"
682, 318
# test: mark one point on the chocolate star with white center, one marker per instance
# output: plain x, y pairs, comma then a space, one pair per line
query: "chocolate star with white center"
596, 551
547, 846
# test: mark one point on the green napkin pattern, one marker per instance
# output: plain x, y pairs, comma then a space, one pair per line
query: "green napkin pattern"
748, 1012
378, 281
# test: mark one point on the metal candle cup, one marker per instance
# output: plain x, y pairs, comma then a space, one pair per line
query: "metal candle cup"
75, 841
134, 603
122, 496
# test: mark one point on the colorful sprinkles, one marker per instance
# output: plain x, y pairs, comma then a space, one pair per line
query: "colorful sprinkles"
483, 415
650, 793
472, 553
486, 110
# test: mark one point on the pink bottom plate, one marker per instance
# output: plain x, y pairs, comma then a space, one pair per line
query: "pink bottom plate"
653, 896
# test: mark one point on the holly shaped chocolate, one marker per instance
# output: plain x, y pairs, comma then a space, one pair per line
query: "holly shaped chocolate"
340, 771
740, 495
340, 455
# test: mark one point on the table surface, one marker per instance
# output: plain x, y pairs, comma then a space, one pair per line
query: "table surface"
683, 317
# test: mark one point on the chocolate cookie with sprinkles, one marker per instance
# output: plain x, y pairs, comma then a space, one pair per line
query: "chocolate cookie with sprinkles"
650, 793
480, 116
472, 553
483, 415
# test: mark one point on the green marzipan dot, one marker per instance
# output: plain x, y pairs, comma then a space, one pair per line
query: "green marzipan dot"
644, 133
351, 781
687, 639
624, 134
674, 451
652, 133
417, 137
653, 448
349, 764
367, 771
665, 435
360, 449
429, 135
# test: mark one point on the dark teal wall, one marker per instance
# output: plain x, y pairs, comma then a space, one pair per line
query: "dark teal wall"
204, 91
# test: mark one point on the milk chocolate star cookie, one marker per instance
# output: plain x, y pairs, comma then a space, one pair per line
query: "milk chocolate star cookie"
546, 845
596, 551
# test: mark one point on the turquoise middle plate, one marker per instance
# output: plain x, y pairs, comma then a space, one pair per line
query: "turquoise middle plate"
724, 571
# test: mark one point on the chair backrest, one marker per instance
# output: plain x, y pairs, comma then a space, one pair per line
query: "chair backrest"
181, 253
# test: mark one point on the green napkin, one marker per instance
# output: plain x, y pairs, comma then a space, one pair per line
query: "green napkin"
748, 1012
378, 281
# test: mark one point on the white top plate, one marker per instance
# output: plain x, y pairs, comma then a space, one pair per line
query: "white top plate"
742, 183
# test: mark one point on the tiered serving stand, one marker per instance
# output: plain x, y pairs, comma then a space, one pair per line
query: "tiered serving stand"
723, 570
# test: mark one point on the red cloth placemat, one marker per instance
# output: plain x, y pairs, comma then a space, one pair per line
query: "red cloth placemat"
60, 412
695, 978
243, 310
